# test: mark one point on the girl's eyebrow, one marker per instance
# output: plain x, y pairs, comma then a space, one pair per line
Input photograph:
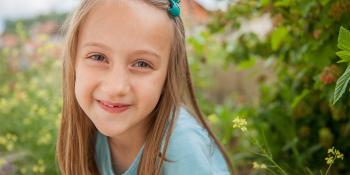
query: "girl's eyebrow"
138, 51
96, 44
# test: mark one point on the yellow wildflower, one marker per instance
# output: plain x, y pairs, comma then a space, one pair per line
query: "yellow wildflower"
213, 118
23, 170
39, 168
8, 141
240, 123
259, 166
333, 154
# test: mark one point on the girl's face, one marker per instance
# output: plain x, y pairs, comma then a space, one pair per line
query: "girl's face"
122, 56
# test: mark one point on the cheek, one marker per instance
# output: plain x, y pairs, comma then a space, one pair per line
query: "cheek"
79, 90
83, 86
150, 90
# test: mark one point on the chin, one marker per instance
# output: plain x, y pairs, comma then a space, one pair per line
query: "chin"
111, 131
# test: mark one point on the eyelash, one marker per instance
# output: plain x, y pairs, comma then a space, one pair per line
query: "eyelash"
139, 61
92, 57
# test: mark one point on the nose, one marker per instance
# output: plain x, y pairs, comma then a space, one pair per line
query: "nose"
116, 83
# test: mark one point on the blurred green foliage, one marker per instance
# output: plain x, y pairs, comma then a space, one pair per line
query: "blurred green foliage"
30, 105
295, 120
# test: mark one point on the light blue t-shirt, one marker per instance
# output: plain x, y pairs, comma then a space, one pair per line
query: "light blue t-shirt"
190, 147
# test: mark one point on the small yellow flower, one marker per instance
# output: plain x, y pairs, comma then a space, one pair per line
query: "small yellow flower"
23, 170
35, 169
2, 140
333, 154
213, 118
39, 168
9, 146
42, 111
8, 141
329, 160
240, 123
259, 166
45, 138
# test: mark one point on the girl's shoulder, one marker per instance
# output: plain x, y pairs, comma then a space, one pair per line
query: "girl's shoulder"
186, 125
192, 150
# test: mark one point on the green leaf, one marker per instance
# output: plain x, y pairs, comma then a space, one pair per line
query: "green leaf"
246, 64
324, 2
264, 2
298, 98
344, 39
283, 3
278, 35
344, 55
342, 61
341, 85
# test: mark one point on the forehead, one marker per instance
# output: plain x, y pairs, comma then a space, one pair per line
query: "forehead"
127, 24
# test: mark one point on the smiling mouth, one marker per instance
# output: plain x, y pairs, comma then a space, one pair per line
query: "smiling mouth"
113, 107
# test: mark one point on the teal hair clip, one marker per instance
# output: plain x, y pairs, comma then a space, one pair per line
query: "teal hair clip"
174, 8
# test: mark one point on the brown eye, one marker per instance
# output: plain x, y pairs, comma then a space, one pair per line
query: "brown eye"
142, 64
97, 57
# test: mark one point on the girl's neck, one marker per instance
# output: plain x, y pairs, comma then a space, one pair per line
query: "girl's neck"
124, 147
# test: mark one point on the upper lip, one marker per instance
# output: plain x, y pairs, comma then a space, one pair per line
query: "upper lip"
113, 104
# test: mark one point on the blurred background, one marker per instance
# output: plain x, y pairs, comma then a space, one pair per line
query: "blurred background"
269, 63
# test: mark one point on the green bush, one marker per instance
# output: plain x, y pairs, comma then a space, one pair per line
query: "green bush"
295, 122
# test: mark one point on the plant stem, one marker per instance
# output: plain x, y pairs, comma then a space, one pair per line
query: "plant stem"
329, 167
267, 154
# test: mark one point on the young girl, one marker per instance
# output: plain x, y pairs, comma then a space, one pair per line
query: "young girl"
129, 105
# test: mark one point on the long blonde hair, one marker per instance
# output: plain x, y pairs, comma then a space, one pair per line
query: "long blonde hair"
77, 134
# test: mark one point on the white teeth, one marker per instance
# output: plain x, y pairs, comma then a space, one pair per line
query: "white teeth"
111, 106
